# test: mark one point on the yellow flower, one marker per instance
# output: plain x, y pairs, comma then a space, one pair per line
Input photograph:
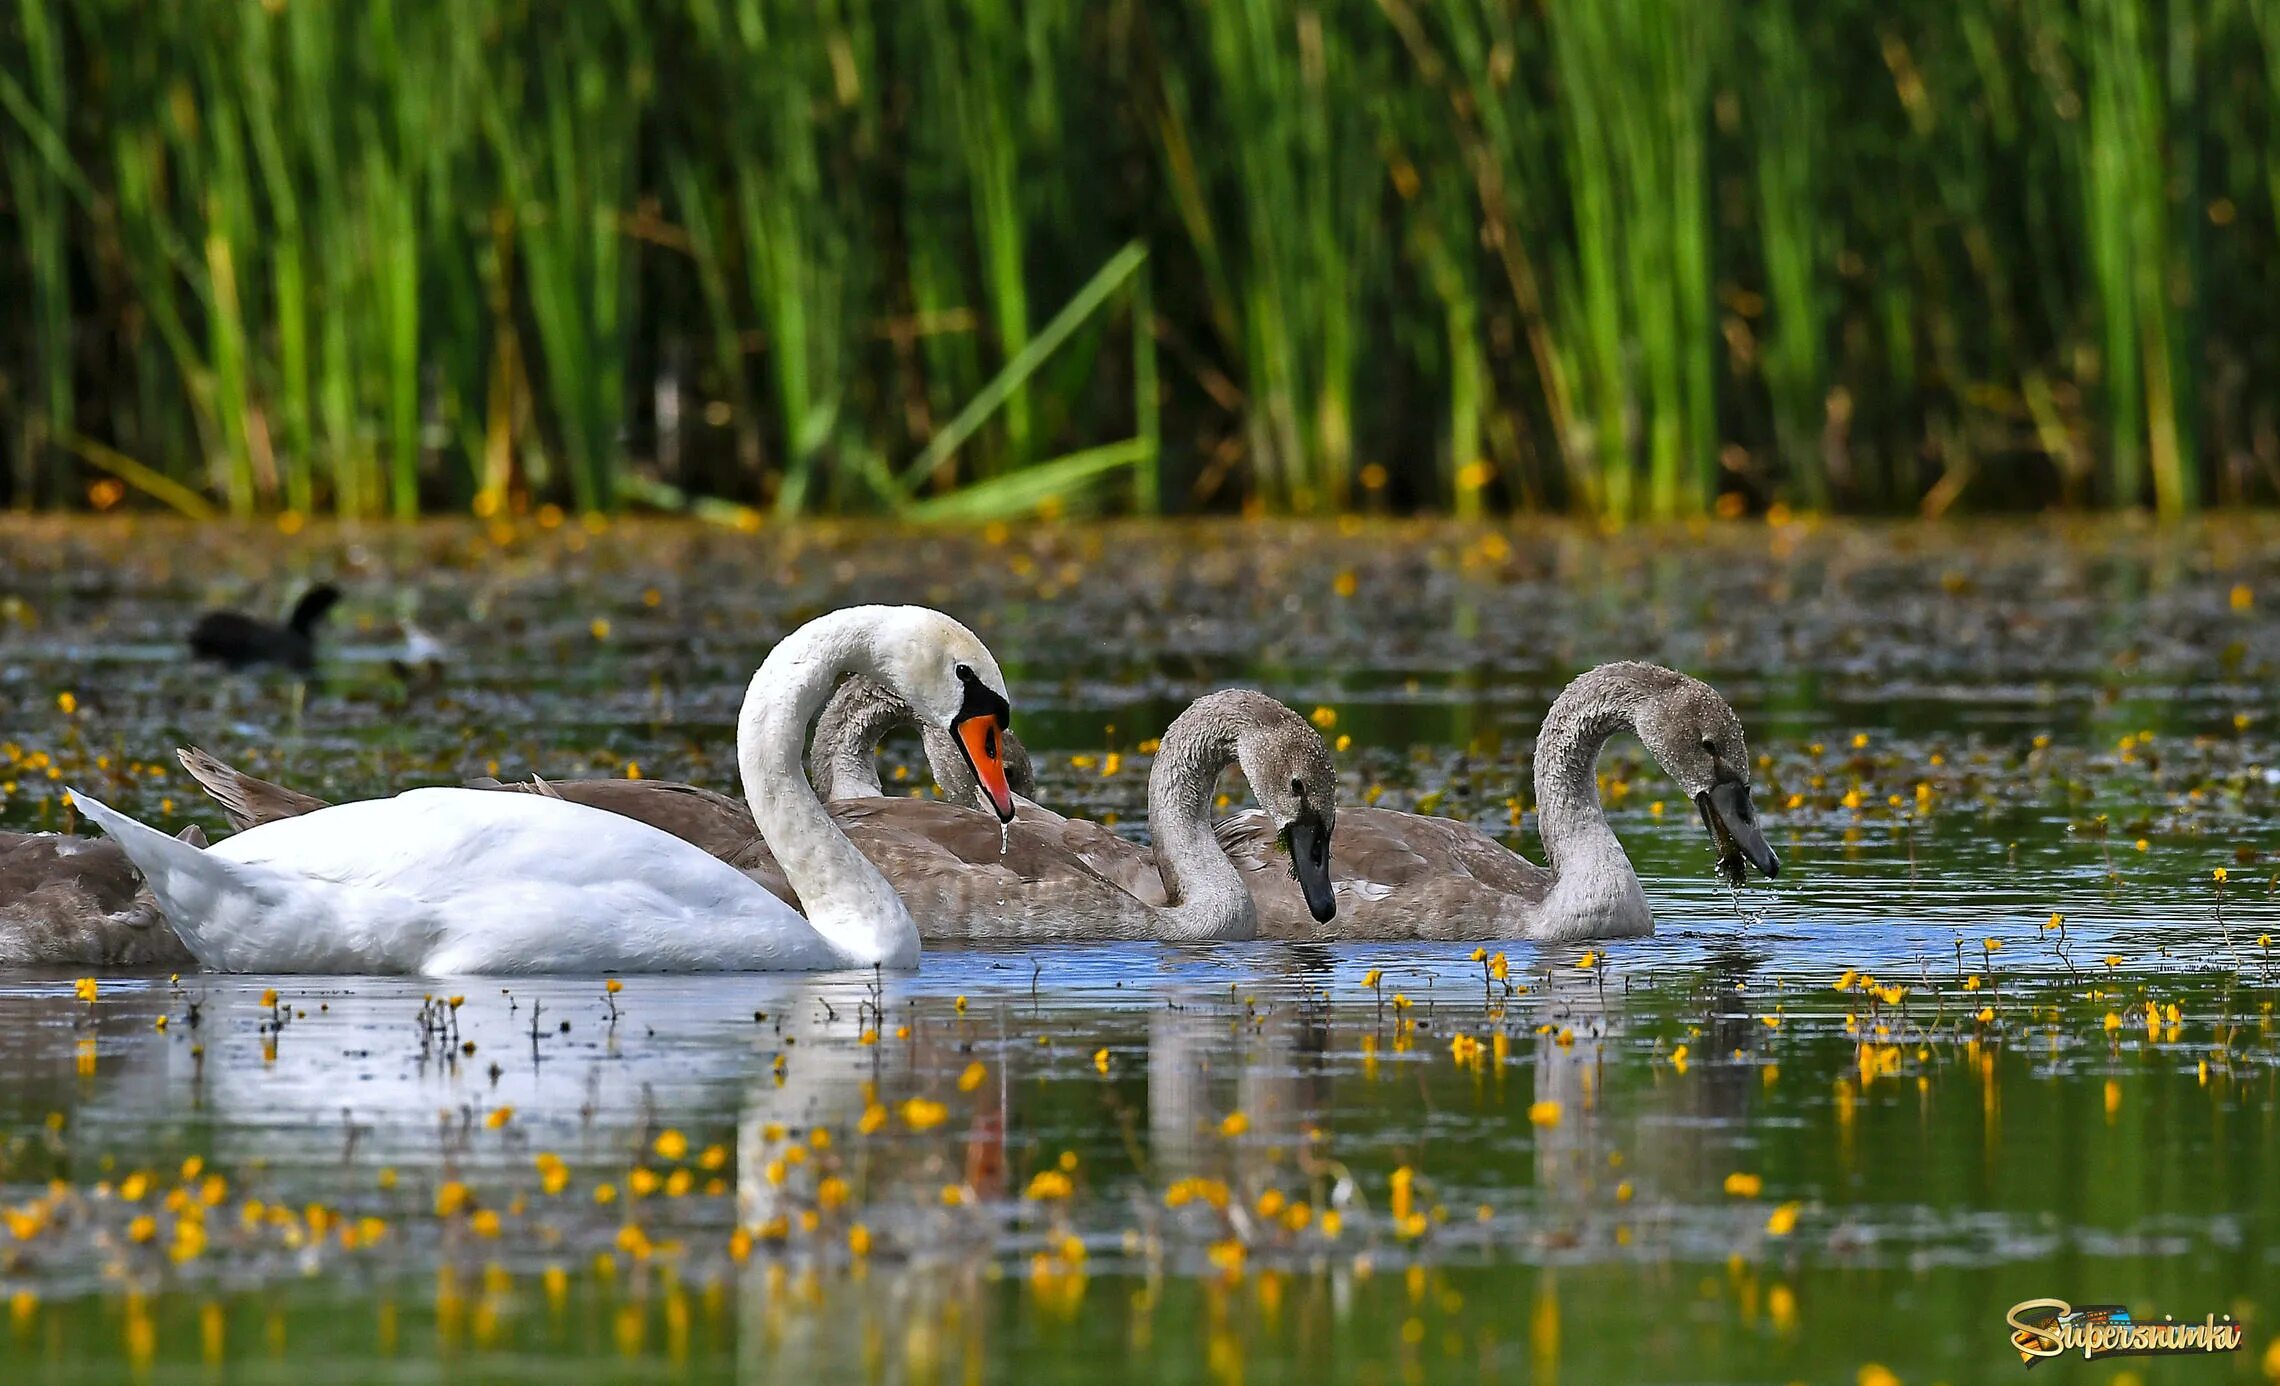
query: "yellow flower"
670, 1145
613, 986
269, 997
1480, 955
1100, 1060
1049, 1184
972, 1077
923, 1114
1846, 979
830, 1192
451, 1197
859, 1240
1324, 717
1744, 1185
498, 1117
1235, 1124
1589, 959
1783, 1221
1993, 945
1372, 977
142, 1229
84, 988
2218, 875
1544, 1113
485, 1223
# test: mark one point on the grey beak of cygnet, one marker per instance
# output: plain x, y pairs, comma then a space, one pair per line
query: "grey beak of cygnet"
1310, 863
1732, 820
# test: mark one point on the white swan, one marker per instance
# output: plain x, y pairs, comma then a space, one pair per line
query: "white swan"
468, 881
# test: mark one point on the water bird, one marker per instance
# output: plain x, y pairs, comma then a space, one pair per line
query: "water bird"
966, 874
69, 901
843, 766
455, 880
240, 641
1405, 875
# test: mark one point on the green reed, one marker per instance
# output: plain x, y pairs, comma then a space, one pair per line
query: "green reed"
1628, 259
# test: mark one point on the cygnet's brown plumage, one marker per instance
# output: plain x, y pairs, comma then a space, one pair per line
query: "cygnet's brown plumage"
70, 901
1403, 875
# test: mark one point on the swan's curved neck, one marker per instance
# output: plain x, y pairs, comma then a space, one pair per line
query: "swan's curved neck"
1205, 898
1568, 813
842, 893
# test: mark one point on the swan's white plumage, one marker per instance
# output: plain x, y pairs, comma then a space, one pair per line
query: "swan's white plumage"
449, 881
461, 880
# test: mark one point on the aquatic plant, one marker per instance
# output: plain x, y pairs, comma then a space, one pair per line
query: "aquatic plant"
765, 257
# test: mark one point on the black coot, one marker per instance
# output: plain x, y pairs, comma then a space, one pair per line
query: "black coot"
241, 641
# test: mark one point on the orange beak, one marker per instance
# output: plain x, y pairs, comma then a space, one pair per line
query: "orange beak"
978, 737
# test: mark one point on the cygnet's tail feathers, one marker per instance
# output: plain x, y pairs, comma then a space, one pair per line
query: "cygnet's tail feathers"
246, 801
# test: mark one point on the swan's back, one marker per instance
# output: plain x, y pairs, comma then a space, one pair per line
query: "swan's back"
463, 880
1396, 875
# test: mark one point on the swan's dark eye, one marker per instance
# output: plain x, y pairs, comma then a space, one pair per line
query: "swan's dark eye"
1709, 745
1297, 788
965, 672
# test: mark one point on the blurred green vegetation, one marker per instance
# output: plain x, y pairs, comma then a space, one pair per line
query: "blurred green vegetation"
1629, 257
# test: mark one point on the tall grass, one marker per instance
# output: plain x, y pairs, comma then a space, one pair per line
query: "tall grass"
962, 258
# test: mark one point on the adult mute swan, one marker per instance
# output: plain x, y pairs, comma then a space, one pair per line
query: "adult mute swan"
966, 876
841, 761
472, 881
1403, 875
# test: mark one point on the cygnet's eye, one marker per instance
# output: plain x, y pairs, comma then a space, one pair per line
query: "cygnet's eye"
1296, 787
1710, 745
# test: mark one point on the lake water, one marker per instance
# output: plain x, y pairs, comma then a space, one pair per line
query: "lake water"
1690, 1158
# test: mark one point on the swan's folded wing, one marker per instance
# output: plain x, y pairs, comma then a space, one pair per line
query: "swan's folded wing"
1120, 861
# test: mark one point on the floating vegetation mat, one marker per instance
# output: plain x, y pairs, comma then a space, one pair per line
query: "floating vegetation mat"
2003, 1030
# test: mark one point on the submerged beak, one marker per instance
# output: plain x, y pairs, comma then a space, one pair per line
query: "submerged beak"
1310, 864
982, 738
1732, 820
